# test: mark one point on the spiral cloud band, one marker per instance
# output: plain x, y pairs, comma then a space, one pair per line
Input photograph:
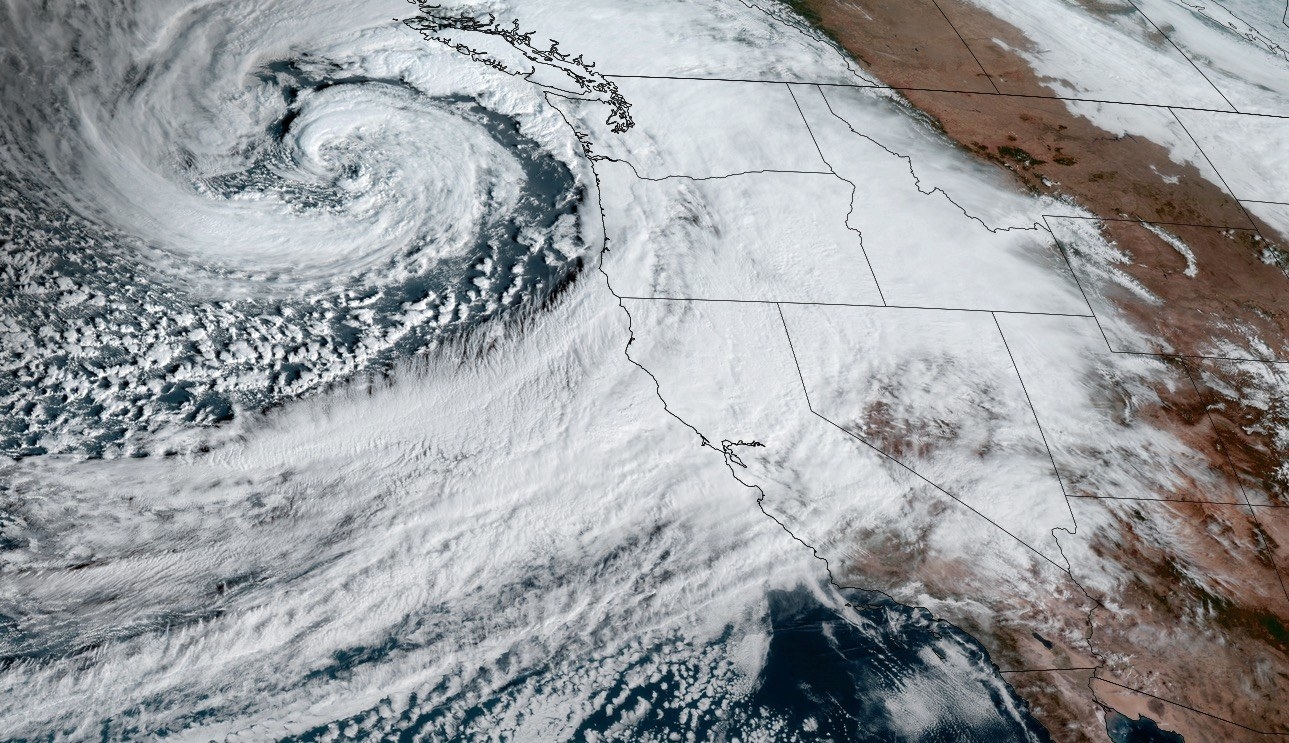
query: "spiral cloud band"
239, 204
485, 521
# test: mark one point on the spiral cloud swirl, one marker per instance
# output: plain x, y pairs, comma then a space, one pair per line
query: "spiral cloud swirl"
482, 523
237, 204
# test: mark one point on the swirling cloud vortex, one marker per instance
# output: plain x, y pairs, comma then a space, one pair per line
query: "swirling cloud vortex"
230, 205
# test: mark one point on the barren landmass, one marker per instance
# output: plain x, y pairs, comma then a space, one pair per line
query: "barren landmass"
1212, 635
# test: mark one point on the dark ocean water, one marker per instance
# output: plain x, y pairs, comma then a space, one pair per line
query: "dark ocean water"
825, 677
1124, 729
823, 667
69, 392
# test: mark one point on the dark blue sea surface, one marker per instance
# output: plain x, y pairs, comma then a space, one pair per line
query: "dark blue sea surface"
67, 391
825, 668
826, 676
1124, 729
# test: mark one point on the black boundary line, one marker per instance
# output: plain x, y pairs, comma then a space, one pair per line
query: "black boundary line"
1067, 570
807, 29
849, 304
1179, 500
854, 190
917, 180
731, 458
726, 449
915, 473
1078, 282
1050, 670
1247, 215
1074, 274
1042, 435
967, 46
1188, 707
428, 25
1045, 217
1222, 178
1185, 56
681, 176
1109, 346
1159, 500
1284, 19
1139, 220
1033, 313
1148, 20
912, 89
1096, 603
1284, 270
1056, 472
1217, 172
1252, 226
1235, 475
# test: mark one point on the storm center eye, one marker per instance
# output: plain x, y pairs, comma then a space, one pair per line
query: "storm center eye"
320, 220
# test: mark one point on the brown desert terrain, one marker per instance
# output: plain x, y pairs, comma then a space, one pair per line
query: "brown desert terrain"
1202, 650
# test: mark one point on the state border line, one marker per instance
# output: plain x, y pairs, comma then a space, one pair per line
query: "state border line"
1253, 226
718, 177
1067, 570
1235, 475
725, 449
1049, 670
1139, 220
1186, 367
794, 303
854, 189
1074, 519
954, 91
1216, 172
970, 51
1188, 707
1154, 25
1185, 56
1172, 110
1179, 500
726, 446
1110, 347
1090, 623
1029, 402
1033, 313
810, 406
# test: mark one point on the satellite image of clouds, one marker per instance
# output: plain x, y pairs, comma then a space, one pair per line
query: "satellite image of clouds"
644, 370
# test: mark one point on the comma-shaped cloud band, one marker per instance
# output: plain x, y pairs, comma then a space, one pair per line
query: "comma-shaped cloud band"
237, 205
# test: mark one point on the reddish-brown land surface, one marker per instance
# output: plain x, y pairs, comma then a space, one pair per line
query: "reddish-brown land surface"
1209, 657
